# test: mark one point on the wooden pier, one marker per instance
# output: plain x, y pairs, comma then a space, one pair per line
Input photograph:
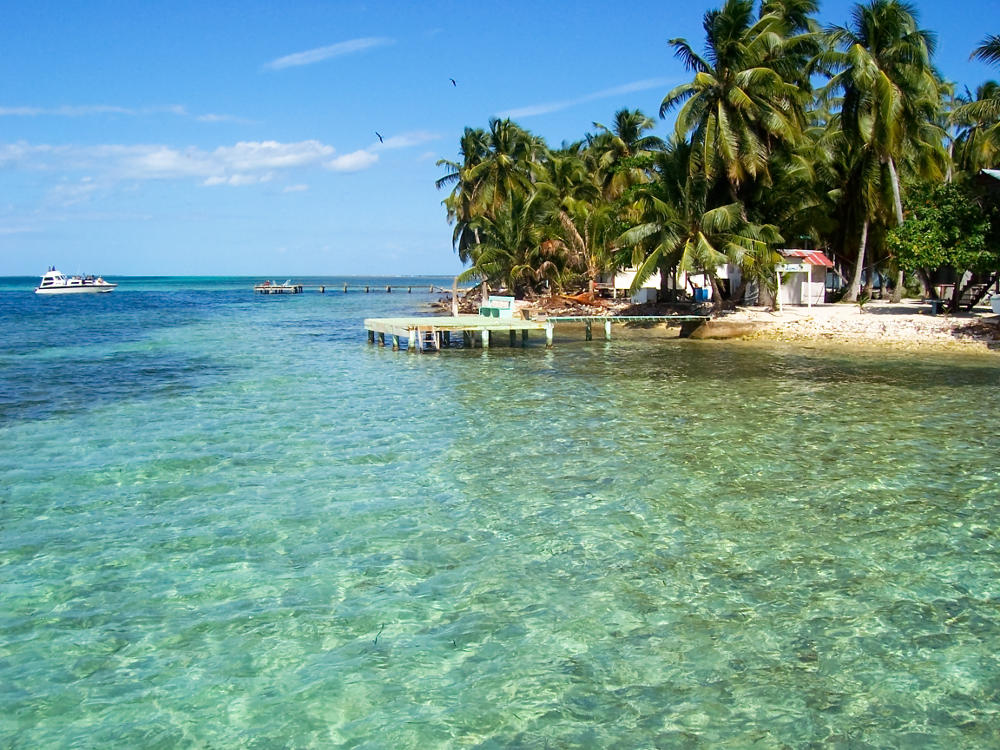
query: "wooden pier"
345, 288
435, 332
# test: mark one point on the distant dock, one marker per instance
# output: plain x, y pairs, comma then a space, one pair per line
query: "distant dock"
435, 333
289, 288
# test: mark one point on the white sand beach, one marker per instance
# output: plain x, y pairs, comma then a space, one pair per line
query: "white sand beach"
907, 324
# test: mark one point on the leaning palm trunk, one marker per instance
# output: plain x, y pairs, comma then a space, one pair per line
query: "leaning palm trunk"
897, 293
855, 288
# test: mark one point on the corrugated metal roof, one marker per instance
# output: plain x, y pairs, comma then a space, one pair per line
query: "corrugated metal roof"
814, 257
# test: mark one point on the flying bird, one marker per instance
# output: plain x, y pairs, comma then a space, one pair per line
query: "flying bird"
452, 81
379, 137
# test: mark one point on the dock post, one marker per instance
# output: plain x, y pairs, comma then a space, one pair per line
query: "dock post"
513, 337
395, 342
409, 290
524, 337
437, 339
381, 338
467, 339
411, 344
322, 289
388, 289
371, 336
447, 338
549, 328
366, 290
345, 288
590, 333
607, 330
486, 338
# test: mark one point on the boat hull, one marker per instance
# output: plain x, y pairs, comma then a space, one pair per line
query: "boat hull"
93, 289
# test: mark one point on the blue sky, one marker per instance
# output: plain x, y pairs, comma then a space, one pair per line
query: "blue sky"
239, 137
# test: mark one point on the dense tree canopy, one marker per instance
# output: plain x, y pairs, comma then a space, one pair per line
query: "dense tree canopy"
760, 157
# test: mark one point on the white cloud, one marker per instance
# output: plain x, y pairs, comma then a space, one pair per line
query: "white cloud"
405, 140
72, 193
92, 110
353, 162
244, 163
295, 188
559, 105
319, 54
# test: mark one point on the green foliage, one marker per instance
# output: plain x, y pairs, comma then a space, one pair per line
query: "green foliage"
947, 225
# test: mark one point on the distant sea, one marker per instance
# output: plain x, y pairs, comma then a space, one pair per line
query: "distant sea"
228, 521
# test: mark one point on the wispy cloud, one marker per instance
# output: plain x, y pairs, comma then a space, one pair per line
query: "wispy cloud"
311, 56
353, 162
406, 140
83, 170
244, 163
559, 105
95, 110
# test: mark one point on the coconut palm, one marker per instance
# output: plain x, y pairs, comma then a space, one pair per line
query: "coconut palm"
517, 250
889, 107
978, 117
505, 169
620, 152
466, 199
584, 218
738, 105
675, 229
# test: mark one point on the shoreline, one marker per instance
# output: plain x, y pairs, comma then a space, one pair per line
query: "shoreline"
906, 325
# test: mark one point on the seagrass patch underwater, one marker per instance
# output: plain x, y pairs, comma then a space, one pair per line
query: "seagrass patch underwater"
228, 521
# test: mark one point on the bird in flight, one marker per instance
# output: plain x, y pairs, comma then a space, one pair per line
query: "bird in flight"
452, 81
379, 137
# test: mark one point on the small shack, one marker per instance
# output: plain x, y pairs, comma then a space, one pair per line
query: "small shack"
802, 277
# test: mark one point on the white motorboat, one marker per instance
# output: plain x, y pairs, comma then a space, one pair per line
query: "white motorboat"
54, 282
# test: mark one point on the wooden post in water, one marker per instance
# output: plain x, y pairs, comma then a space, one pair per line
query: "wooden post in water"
590, 333
411, 344
467, 339
524, 337
395, 342
607, 330
366, 290
513, 338
486, 337
388, 289
549, 329
345, 287
381, 338
322, 289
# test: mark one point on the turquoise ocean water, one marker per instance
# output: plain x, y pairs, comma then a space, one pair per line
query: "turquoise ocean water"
228, 521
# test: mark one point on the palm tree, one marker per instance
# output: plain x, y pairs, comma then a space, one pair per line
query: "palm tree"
979, 117
621, 152
584, 218
738, 106
674, 229
505, 169
517, 250
889, 107
465, 202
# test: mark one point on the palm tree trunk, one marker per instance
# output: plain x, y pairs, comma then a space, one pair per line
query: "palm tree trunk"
855, 288
897, 293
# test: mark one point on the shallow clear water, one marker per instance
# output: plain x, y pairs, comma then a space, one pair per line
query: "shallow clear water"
228, 521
